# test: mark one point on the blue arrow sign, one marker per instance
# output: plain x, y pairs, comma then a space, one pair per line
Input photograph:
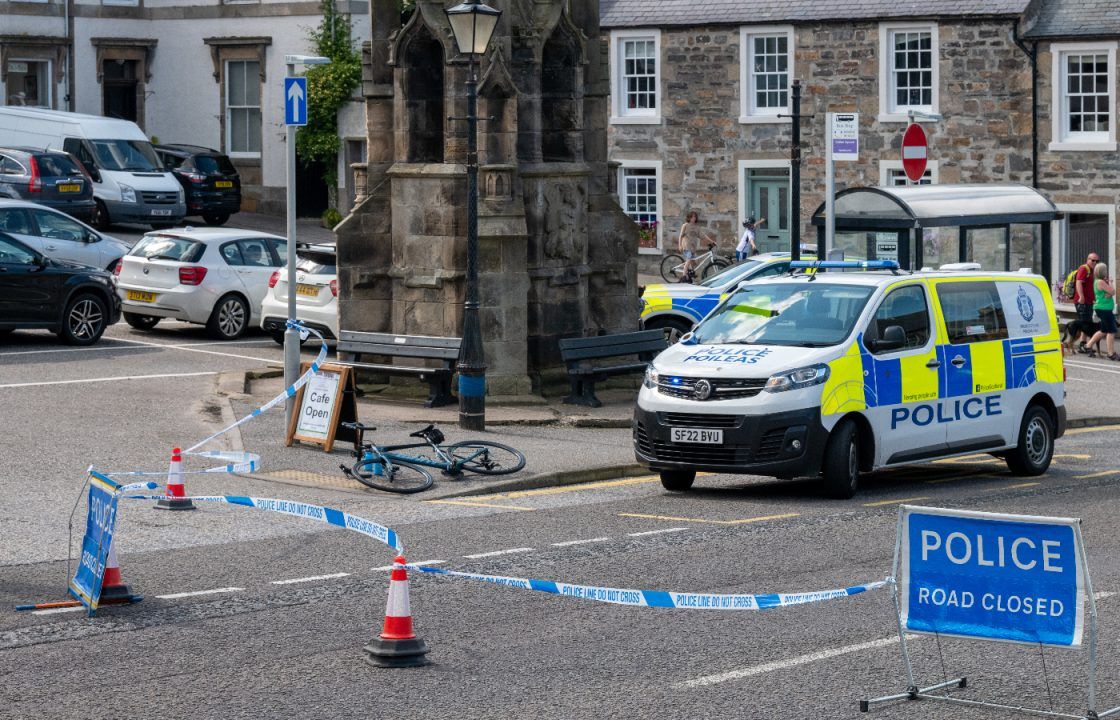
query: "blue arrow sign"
295, 101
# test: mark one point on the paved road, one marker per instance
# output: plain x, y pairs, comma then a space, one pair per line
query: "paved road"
289, 604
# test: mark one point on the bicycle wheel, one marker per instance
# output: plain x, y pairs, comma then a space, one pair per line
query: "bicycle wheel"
486, 458
672, 267
395, 477
716, 266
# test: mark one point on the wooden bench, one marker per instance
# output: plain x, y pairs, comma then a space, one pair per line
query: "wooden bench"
352, 344
578, 354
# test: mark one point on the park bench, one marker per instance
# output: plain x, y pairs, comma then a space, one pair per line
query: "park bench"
353, 344
579, 353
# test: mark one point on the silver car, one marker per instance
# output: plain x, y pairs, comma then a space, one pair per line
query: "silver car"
59, 236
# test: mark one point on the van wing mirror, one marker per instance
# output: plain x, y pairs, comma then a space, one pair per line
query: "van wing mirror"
894, 338
94, 173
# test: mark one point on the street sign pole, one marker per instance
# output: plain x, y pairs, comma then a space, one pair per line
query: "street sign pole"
841, 143
829, 189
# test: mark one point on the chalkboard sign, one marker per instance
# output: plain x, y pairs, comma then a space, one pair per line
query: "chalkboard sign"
322, 404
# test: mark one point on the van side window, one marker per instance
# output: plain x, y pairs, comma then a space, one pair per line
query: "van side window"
907, 308
75, 147
973, 311
778, 268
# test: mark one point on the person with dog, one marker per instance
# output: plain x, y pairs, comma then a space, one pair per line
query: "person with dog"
1104, 303
747, 246
1083, 300
688, 242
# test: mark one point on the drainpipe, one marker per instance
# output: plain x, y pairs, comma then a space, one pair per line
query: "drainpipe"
69, 16
1032, 55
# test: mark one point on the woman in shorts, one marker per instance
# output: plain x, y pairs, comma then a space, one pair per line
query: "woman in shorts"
1104, 305
688, 242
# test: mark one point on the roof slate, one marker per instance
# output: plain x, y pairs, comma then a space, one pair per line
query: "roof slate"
656, 13
1074, 18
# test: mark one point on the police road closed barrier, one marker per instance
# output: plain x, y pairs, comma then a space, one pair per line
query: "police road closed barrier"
658, 598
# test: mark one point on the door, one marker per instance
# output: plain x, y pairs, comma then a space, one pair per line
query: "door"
769, 201
28, 292
63, 238
257, 266
903, 382
118, 87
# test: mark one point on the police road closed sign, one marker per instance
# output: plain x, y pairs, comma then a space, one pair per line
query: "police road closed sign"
991, 576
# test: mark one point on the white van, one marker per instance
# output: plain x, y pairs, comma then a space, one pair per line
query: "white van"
834, 373
129, 183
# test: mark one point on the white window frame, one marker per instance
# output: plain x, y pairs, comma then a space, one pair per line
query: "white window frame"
1060, 139
654, 165
748, 113
888, 112
127, 3
744, 165
1058, 229
228, 110
49, 84
620, 114
886, 166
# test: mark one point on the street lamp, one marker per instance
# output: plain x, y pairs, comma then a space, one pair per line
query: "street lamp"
473, 24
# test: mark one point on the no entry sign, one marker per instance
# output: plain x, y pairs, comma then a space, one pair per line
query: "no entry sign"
914, 152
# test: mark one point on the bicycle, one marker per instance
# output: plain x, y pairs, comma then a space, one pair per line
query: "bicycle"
384, 467
703, 266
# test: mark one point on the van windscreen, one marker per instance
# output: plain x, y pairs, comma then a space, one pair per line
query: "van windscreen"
130, 155
799, 314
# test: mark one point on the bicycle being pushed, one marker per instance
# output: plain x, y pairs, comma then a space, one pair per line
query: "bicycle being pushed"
403, 468
703, 266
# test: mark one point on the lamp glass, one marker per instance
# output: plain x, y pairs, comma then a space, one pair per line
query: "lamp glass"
473, 24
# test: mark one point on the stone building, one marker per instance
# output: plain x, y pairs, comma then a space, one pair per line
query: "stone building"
556, 253
700, 90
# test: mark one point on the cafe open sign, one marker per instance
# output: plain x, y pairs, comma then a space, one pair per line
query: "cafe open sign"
325, 401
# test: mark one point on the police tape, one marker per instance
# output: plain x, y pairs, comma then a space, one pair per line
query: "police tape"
234, 461
660, 598
294, 508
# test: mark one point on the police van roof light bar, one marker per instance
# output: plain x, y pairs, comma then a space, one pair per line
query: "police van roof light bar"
845, 264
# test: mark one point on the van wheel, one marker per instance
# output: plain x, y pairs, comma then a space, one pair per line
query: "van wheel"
1035, 450
215, 218
840, 468
141, 322
672, 327
100, 218
677, 480
229, 319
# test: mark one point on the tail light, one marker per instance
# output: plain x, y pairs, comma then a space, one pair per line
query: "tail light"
36, 184
196, 178
274, 278
334, 287
191, 275
117, 267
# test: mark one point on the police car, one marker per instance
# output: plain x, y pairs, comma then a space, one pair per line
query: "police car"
837, 373
676, 307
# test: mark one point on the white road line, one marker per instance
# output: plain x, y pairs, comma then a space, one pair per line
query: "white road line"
385, 568
215, 591
103, 347
312, 578
1103, 594
654, 532
1093, 366
566, 543
55, 611
511, 551
785, 664
106, 379
197, 350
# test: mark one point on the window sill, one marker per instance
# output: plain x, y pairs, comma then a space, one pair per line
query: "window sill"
635, 120
649, 251
762, 119
904, 118
1082, 146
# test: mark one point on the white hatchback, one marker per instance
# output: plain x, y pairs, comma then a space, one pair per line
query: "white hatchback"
211, 276
59, 236
316, 293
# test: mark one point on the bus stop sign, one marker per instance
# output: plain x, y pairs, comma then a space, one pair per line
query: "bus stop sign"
914, 153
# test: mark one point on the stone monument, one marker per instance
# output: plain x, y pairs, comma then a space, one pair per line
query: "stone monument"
556, 253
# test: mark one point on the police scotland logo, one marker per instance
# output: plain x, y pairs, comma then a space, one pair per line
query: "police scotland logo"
1026, 307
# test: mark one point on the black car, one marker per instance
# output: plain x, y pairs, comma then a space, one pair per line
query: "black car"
37, 293
46, 177
209, 179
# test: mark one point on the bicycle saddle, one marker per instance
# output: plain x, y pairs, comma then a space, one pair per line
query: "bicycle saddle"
430, 433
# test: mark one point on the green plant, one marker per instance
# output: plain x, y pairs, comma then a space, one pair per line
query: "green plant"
329, 87
330, 218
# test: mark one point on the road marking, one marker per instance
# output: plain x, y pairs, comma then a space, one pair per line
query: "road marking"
55, 611
880, 503
712, 522
654, 532
495, 553
120, 378
1014, 487
1099, 428
1092, 366
786, 664
422, 562
312, 578
566, 543
197, 350
215, 591
103, 346
573, 488
966, 476
469, 503
1103, 594
1103, 473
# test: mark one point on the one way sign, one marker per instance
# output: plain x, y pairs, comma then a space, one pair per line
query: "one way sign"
295, 101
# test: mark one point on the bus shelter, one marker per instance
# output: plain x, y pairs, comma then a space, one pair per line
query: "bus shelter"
1002, 227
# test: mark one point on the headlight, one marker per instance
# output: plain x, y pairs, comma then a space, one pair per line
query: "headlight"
182, 197
127, 194
652, 377
797, 379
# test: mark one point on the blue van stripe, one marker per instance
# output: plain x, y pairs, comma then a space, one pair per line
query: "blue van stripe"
888, 382
959, 379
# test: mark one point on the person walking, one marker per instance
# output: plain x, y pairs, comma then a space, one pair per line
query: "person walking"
1104, 304
747, 245
688, 242
1084, 298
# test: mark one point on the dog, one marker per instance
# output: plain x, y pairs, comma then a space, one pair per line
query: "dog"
1072, 330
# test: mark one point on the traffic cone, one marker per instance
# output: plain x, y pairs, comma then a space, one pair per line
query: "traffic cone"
176, 496
397, 646
113, 590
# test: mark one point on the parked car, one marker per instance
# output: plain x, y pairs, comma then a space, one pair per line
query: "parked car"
210, 276
49, 178
37, 293
59, 236
210, 181
316, 293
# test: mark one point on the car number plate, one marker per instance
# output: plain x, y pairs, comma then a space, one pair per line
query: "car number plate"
141, 296
70, 187
696, 435
308, 290
161, 213
223, 183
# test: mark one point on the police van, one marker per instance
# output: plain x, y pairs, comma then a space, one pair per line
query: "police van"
857, 368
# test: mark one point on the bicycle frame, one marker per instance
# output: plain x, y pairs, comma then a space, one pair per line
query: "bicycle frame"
371, 453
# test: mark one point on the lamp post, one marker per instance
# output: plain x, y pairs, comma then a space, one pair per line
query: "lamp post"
473, 24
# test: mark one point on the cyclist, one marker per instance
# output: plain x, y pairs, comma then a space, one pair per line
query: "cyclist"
688, 242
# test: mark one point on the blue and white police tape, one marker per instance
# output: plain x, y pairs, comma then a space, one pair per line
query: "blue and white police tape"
660, 598
320, 513
234, 462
